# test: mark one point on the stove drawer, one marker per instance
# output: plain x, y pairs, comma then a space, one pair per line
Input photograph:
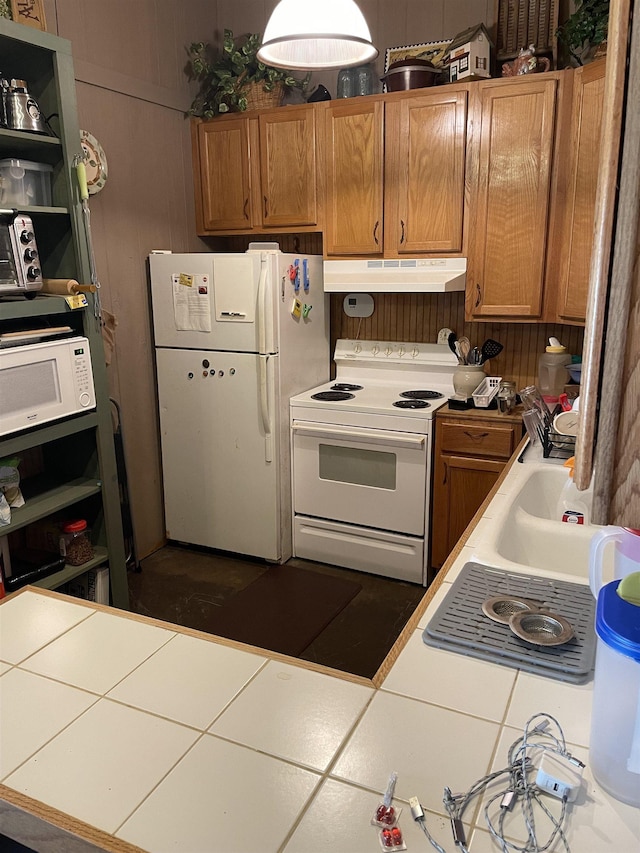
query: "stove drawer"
375, 478
359, 548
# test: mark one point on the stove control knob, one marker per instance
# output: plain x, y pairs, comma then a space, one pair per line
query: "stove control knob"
375, 349
357, 348
401, 351
415, 352
388, 351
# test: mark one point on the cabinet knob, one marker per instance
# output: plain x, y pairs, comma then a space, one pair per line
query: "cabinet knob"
402, 233
375, 233
478, 436
478, 295
266, 206
244, 209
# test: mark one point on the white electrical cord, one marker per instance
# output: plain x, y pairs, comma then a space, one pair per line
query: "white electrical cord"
520, 788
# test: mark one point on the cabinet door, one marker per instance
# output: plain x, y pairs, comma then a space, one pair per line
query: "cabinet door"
460, 485
426, 162
582, 171
355, 174
511, 198
288, 166
224, 184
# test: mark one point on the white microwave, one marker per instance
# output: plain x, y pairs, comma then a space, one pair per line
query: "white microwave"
44, 381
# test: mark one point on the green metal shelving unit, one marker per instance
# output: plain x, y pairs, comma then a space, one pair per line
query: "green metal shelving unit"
79, 452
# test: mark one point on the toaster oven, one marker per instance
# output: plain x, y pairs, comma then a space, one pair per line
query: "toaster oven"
20, 272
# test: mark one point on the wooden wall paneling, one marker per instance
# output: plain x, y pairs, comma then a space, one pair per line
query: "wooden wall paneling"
606, 199
617, 454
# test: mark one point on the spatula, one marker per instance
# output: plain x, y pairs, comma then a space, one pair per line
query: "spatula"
490, 349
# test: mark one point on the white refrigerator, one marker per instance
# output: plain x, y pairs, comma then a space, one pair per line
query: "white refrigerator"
236, 335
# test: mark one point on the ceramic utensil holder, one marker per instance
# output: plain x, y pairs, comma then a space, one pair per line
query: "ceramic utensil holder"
466, 379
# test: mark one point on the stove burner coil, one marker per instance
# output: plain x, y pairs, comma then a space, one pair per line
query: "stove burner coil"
346, 386
411, 404
332, 395
422, 395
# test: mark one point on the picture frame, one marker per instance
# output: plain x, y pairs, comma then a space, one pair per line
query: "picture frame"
433, 51
30, 13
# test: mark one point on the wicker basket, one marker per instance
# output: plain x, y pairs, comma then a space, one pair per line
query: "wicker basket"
258, 99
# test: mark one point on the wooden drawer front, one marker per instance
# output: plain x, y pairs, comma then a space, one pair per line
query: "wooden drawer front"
478, 439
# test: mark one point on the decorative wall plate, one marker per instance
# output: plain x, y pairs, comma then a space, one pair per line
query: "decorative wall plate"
95, 162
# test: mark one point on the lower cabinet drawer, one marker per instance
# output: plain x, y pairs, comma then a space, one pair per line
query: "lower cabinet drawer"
477, 439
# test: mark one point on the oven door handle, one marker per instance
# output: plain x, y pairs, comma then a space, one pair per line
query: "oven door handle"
382, 437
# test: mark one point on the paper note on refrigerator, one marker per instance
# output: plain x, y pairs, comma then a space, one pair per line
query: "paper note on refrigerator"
191, 302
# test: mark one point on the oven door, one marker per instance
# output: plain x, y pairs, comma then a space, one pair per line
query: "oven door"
371, 477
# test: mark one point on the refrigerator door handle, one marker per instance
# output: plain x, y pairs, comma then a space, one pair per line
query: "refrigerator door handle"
262, 307
264, 408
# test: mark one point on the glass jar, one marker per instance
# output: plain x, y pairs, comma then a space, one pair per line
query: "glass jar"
346, 83
506, 397
364, 80
75, 542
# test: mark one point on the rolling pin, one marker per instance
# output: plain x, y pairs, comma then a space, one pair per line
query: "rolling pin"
65, 286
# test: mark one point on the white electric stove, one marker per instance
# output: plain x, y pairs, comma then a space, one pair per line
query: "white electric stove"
362, 457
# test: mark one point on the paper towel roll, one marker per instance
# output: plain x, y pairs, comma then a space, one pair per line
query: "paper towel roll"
65, 286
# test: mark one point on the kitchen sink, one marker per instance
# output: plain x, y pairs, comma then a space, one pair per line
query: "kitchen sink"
526, 531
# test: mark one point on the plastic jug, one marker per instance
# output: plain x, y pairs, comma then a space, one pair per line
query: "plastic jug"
626, 557
553, 374
614, 747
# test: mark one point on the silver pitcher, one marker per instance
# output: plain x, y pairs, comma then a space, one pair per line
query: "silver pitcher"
21, 111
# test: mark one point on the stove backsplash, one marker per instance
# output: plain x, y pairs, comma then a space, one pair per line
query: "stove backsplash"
419, 317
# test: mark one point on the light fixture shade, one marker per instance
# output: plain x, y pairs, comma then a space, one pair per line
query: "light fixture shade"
306, 35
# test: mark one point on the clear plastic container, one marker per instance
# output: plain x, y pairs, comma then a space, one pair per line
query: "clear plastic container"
75, 542
24, 183
553, 371
614, 749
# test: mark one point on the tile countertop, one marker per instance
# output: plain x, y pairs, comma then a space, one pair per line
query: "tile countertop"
121, 733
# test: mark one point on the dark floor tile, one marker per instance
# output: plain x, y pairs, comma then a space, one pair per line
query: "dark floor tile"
186, 586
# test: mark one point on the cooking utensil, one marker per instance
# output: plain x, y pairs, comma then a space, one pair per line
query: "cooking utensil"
454, 346
410, 74
465, 346
81, 174
490, 349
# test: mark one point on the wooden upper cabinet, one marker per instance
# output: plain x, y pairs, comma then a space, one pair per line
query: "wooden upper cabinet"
582, 176
425, 173
288, 166
512, 154
353, 131
221, 172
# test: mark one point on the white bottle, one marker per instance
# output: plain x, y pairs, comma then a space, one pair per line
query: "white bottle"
574, 506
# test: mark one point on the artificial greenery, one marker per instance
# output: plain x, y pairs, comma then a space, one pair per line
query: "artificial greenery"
586, 28
224, 78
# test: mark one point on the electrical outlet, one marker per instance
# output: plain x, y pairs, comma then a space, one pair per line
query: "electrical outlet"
443, 336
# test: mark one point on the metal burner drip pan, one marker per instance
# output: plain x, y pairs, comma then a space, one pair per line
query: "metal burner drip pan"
459, 624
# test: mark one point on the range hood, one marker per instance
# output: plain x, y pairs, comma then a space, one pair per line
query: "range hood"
402, 275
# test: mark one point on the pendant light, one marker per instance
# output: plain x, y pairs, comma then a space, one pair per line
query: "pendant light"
307, 35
